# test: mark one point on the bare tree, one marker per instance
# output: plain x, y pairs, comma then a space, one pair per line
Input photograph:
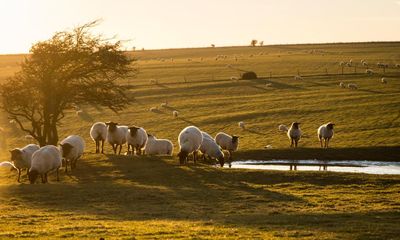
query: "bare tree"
253, 42
261, 43
72, 67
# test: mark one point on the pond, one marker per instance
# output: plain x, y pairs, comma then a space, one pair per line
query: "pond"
370, 167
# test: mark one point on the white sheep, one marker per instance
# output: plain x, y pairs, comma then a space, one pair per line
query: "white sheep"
283, 128
365, 64
369, 71
189, 139
72, 149
98, 132
234, 78
116, 135
153, 109
242, 125
155, 146
383, 81
352, 86
342, 85
136, 137
398, 65
164, 104
294, 134
175, 113
227, 142
210, 148
44, 160
297, 77
325, 132
21, 158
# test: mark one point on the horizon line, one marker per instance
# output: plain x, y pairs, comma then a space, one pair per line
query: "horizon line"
233, 46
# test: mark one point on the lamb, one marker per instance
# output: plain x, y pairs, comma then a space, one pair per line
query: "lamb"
44, 160
210, 148
325, 132
369, 71
72, 149
155, 146
189, 139
175, 113
227, 142
383, 80
242, 125
21, 158
342, 85
98, 132
294, 133
116, 135
352, 86
136, 137
282, 128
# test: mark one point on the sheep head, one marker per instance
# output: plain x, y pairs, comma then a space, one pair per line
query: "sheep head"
133, 130
66, 149
235, 139
32, 175
295, 125
182, 156
330, 125
112, 126
221, 160
16, 155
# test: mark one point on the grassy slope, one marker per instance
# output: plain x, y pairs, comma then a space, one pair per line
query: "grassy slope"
155, 198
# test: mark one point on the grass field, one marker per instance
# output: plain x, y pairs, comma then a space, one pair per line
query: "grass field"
119, 197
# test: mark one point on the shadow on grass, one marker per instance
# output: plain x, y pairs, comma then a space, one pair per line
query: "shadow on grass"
147, 188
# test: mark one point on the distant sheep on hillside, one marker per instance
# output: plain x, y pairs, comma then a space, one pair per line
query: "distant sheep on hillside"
242, 125
383, 81
369, 71
342, 85
352, 86
175, 113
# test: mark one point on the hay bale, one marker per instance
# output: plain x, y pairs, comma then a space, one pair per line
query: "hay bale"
249, 75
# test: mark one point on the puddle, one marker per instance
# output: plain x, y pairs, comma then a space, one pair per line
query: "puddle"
370, 167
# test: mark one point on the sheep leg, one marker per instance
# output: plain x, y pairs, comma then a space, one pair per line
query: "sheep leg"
291, 142
320, 141
230, 159
97, 146
58, 178
296, 142
129, 147
114, 147
327, 142
102, 146
45, 177
41, 176
19, 174
194, 157
120, 149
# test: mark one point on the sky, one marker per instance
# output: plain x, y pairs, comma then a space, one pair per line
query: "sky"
155, 24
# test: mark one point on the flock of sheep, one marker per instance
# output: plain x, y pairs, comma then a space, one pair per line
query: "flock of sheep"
39, 161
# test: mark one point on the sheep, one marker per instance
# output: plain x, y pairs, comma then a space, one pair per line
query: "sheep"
283, 128
234, 78
116, 135
98, 132
242, 125
297, 77
369, 71
349, 64
268, 147
175, 113
29, 138
352, 86
398, 65
383, 81
365, 64
325, 132
21, 158
342, 85
362, 61
294, 134
189, 139
164, 104
342, 64
44, 160
153, 81
155, 146
153, 109
72, 149
136, 137
210, 148
227, 142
